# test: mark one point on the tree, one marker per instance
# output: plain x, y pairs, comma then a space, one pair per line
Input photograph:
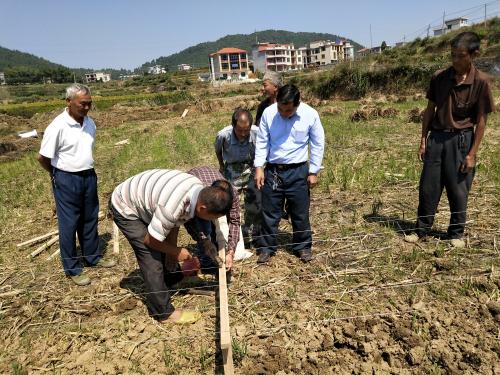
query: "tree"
383, 46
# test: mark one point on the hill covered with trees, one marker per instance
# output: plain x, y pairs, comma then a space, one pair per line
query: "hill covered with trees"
198, 55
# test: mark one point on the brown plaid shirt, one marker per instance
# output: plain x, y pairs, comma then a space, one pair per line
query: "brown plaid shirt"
207, 175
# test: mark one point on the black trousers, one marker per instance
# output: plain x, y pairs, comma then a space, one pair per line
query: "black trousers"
157, 278
445, 153
290, 184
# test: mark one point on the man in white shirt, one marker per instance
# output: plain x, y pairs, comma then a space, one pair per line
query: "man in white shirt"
66, 153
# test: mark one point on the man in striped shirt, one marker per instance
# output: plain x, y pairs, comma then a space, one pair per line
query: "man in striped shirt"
149, 208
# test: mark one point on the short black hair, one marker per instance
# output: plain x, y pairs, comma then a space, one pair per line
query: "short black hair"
288, 94
238, 112
468, 40
218, 198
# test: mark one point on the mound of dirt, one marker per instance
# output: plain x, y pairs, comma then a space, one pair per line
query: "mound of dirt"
416, 115
366, 113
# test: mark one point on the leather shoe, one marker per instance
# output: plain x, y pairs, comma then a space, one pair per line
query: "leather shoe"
264, 257
305, 255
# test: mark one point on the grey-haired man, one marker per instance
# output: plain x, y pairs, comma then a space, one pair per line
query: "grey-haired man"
66, 153
271, 83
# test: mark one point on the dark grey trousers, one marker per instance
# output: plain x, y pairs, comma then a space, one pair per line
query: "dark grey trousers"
444, 155
157, 279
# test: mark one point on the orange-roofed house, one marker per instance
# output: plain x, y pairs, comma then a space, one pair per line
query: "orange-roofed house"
229, 63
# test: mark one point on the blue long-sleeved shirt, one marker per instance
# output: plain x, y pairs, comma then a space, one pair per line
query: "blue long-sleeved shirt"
288, 140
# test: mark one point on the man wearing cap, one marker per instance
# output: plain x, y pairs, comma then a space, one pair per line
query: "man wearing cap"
289, 132
271, 83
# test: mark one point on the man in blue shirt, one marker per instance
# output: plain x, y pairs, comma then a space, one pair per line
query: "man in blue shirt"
288, 131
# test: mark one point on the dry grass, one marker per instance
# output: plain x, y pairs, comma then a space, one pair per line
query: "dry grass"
368, 302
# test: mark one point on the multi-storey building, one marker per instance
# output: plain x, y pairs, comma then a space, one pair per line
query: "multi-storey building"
284, 57
229, 63
276, 57
97, 77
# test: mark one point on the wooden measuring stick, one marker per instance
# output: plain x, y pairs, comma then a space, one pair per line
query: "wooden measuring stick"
54, 254
225, 334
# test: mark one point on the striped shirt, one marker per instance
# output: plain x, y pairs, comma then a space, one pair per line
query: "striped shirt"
161, 198
207, 176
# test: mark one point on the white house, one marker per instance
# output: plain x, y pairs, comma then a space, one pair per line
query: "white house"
97, 76
183, 67
453, 24
157, 69
2, 78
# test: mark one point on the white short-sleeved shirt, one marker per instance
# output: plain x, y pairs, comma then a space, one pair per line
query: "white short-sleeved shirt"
68, 144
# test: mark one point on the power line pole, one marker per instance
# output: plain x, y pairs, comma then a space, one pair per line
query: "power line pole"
371, 41
485, 5
428, 29
443, 30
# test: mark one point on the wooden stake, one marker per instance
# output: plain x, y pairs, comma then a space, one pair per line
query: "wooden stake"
36, 239
46, 245
225, 334
116, 239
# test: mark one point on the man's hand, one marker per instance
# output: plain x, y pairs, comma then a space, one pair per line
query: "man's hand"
312, 180
259, 177
421, 150
229, 260
468, 164
211, 251
183, 255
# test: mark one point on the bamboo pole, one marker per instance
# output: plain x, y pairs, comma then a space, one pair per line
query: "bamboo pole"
37, 239
45, 246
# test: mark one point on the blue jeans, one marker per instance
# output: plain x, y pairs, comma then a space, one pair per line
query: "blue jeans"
77, 208
290, 184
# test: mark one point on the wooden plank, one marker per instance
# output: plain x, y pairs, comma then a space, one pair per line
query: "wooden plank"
116, 239
45, 246
225, 333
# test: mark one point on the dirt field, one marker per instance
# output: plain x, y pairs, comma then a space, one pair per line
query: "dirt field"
368, 304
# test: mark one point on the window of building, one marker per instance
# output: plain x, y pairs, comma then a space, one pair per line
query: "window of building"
322, 55
243, 56
322, 49
224, 66
235, 65
223, 57
243, 65
234, 56
288, 59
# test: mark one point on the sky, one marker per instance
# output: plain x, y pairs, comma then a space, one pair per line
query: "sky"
125, 34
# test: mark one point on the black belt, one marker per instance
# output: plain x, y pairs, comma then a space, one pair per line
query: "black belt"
453, 130
284, 167
86, 172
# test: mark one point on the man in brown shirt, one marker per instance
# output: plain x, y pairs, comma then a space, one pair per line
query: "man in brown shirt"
459, 100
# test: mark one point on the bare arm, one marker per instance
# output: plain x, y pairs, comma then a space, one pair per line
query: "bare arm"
169, 246
221, 161
426, 123
45, 163
470, 160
